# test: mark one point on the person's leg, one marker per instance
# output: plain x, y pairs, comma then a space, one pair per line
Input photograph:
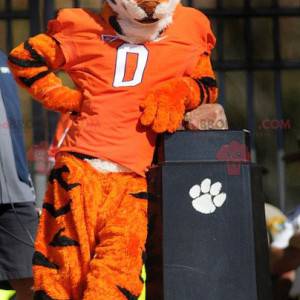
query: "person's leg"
116, 267
91, 235
66, 236
18, 224
23, 288
57, 257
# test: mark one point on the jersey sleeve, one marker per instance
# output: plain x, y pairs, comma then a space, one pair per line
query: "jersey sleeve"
203, 72
199, 29
63, 30
208, 39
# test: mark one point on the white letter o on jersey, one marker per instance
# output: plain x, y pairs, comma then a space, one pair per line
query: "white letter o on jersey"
142, 55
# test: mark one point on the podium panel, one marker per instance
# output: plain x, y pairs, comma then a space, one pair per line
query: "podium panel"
208, 238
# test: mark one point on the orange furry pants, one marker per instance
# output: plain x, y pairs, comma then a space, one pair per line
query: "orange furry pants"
92, 234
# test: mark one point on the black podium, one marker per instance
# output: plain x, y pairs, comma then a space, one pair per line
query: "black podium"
207, 237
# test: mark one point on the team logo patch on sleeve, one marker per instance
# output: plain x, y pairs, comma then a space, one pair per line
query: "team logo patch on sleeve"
108, 38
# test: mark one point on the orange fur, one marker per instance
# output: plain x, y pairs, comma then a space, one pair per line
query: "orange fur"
107, 221
204, 69
48, 89
164, 107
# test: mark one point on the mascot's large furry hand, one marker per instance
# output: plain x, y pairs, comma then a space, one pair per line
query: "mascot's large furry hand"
32, 64
164, 108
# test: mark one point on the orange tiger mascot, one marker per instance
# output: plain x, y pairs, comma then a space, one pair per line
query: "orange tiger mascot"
138, 66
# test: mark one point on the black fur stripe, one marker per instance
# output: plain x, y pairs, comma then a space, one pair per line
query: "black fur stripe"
25, 63
30, 81
33, 52
56, 174
62, 240
127, 294
208, 81
115, 25
202, 95
143, 195
37, 59
41, 295
207, 93
57, 212
39, 259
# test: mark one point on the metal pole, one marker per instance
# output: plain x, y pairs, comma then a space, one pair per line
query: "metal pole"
38, 123
279, 114
76, 3
250, 80
220, 51
9, 35
49, 11
38, 113
51, 116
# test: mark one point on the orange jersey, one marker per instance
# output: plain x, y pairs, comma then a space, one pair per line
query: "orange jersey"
115, 77
63, 125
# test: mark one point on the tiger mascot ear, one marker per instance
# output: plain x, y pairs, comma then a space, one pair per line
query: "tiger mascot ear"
138, 21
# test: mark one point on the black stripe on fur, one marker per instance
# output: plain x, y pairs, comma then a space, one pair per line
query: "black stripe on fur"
127, 294
30, 81
56, 174
39, 259
62, 240
209, 81
201, 90
34, 54
205, 83
25, 63
57, 212
207, 94
143, 195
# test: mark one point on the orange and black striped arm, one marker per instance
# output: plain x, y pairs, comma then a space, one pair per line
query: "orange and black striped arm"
206, 80
33, 64
202, 84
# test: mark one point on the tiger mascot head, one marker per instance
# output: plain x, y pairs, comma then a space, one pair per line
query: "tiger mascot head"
138, 21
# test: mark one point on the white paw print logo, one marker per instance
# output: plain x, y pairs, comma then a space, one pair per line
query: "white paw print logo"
207, 197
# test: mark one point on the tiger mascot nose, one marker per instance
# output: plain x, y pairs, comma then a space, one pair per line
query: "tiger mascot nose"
148, 6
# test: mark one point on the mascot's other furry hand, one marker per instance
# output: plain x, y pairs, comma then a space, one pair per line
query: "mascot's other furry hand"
32, 64
164, 108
